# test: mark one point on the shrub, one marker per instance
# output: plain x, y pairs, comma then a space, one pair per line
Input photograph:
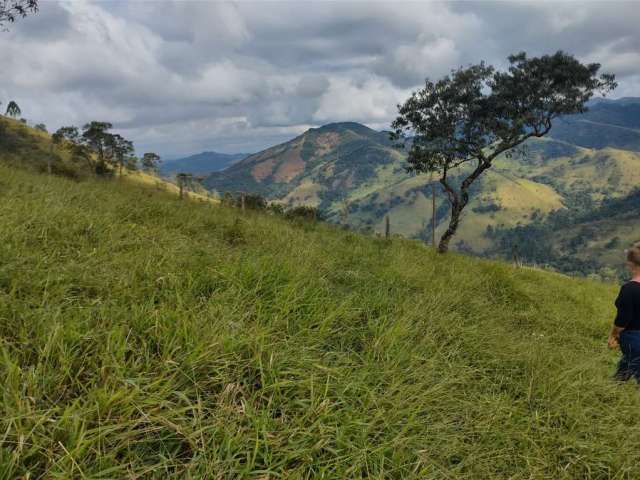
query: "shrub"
252, 201
304, 212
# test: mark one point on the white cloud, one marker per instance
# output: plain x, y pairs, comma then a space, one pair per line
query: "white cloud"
372, 100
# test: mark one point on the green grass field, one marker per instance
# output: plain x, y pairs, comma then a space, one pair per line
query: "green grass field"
144, 337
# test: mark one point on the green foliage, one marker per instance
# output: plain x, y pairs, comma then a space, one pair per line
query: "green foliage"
68, 138
303, 212
276, 208
487, 207
252, 201
140, 340
97, 137
150, 161
120, 150
13, 110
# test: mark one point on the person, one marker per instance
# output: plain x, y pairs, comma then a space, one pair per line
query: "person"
625, 332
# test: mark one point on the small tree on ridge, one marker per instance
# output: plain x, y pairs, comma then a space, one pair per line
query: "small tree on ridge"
13, 110
150, 161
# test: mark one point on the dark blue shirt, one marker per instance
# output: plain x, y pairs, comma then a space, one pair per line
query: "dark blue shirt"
628, 305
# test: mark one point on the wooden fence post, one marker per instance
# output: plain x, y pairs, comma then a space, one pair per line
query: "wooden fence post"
516, 260
433, 215
387, 227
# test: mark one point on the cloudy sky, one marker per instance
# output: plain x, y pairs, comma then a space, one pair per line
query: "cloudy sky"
179, 77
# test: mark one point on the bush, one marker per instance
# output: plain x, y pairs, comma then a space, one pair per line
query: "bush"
276, 208
304, 212
487, 208
252, 201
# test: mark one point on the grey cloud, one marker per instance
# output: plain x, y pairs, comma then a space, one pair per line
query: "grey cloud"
185, 76
52, 23
312, 85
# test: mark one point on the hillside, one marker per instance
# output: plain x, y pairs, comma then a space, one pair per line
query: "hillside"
608, 123
355, 175
144, 337
200, 164
28, 148
334, 158
581, 241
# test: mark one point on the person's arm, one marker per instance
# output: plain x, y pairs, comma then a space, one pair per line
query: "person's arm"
623, 317
614, 336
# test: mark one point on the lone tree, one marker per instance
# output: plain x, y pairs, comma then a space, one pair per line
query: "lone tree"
96, 135
184, 181
13, 110
10, 10
150, 161
471, 116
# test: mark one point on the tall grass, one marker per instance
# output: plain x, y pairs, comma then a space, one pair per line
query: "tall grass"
143, 337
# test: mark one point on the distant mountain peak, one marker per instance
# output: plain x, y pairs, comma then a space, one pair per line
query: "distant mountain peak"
342, 126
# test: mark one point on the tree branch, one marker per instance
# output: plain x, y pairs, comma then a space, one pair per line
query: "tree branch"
454, 199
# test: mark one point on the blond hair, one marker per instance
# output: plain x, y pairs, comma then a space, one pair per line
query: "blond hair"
633, 254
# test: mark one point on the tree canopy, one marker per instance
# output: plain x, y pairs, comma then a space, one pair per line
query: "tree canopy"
70, 139
13, 110
121, 150
468, 118
150, 161
10, 10
101, 149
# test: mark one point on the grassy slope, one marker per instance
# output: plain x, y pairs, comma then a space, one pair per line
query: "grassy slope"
26, 147
149, 180
143, 337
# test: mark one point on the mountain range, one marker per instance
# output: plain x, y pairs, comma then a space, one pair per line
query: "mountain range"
201, 163
356, 175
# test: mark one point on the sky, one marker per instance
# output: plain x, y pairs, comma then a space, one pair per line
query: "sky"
181, 77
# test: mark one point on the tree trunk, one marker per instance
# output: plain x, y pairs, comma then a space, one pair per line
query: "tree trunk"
458, 201
456, 210
433, 215
516, 260
181, 185
50, 159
